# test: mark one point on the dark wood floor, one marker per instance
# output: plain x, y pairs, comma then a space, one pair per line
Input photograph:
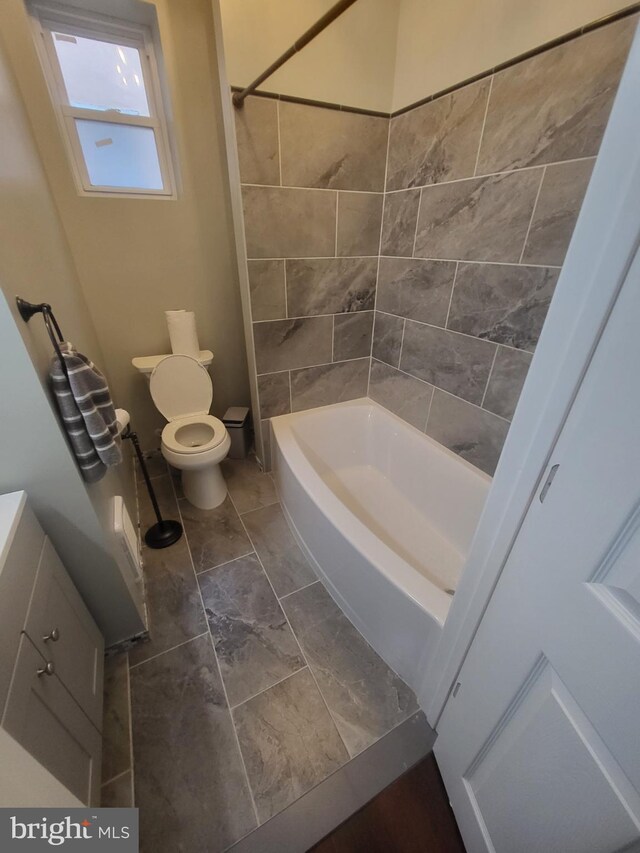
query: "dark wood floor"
412, 815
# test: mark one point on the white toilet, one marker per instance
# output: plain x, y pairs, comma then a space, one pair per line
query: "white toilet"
193, 441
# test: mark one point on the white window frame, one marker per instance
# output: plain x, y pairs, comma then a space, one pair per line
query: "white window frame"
48, 17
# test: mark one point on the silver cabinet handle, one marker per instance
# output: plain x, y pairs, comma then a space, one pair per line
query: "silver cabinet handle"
47, 669
53, 635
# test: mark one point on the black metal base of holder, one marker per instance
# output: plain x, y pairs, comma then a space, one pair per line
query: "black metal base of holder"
163, 534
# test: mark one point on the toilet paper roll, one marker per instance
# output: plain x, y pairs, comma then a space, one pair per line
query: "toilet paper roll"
182, 333
122, 419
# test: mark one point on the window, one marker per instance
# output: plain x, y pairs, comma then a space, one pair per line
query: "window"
104, 83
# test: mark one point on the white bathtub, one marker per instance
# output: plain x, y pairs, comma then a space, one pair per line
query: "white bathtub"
386, 516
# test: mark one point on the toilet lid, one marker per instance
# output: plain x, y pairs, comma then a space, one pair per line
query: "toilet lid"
180, 386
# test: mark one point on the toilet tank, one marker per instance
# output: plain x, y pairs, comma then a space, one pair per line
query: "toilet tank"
146, 364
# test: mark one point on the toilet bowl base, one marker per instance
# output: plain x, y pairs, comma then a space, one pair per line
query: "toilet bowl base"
205, 488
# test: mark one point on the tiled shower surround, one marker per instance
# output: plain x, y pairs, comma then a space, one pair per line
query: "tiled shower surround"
413, 259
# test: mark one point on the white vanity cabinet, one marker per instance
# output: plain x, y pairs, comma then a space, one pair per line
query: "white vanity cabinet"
51, 656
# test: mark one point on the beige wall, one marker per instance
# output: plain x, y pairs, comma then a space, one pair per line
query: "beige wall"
441, 43
349, 63
138, 257
386, 54
35, 263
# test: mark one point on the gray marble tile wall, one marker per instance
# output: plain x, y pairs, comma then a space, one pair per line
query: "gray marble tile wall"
414, 259
313, 183
483, 190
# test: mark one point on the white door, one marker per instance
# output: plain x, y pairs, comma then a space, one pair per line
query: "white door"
539, 743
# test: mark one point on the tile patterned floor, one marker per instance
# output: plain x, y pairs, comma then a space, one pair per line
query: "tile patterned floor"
254, 686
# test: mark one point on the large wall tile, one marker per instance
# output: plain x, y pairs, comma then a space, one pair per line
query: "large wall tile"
505, 383
453, 362
267, 288
359, 221
330, 285
563, 189
273, 390
502, 303
472, 433
483, 219
387, 338
289, 223
399, 223
438, 141
285, 344
332, 149
418, 289
180, 715
352, 335
555, 106
403, 395
257, 136
329, 383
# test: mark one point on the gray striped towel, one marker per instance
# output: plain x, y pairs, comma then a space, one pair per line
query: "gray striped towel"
87, 412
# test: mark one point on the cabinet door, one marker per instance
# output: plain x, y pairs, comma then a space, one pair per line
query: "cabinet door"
41, 715
18, 566
61, 628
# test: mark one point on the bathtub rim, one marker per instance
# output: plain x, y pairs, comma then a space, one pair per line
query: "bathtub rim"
433, 600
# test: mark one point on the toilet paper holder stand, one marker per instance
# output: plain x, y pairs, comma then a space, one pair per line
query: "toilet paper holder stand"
164, 532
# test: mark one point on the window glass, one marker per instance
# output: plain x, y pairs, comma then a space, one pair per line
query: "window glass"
120, 155
100, 75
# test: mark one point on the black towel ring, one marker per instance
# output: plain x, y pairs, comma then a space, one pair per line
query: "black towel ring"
28, 309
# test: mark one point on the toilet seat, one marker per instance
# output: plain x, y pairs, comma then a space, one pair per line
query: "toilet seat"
207, 432
181, 387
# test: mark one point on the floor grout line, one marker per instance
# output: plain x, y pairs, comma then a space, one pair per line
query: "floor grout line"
113, 778
215, 657
295, 636
271, 686
293, 592
226, 563
166, 651
262, 506
131, 755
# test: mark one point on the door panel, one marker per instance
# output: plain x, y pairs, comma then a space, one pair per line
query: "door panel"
544, 736
539, 746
